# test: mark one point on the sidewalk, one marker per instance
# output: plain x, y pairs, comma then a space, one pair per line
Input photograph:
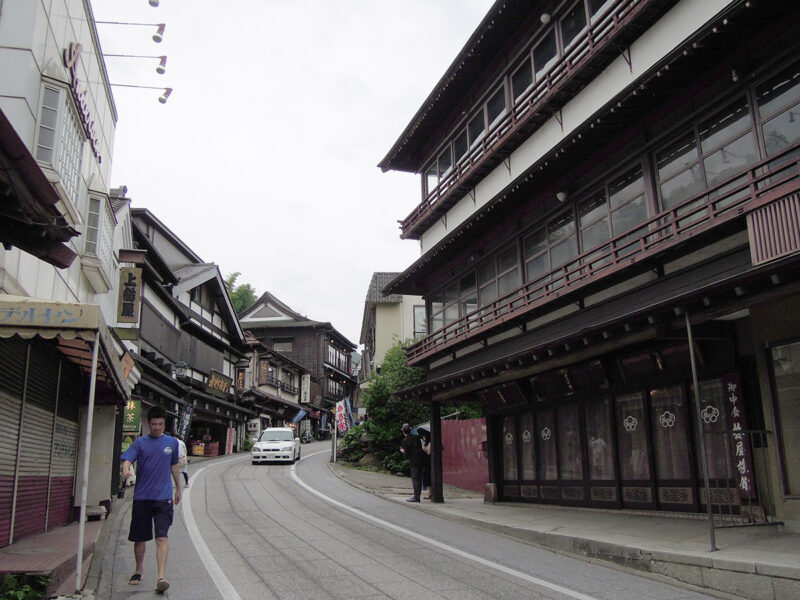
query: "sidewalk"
758, 563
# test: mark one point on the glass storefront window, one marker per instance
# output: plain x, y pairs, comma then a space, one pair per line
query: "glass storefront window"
669, 423
600, 444
634, 454
569, 442
509, 450
715, 423
786, 375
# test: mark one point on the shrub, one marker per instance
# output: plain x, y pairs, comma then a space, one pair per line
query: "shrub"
246, 445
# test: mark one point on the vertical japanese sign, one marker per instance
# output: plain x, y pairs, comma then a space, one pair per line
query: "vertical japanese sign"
230, 438
130, 294
185, 421
305, 388
740, 447
341, 417
132, 415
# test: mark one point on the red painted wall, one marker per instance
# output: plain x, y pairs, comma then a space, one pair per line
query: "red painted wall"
464, 462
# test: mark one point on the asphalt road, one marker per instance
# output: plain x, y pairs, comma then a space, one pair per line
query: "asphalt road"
260, 532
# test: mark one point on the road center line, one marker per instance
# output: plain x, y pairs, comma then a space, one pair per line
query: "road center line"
452, 549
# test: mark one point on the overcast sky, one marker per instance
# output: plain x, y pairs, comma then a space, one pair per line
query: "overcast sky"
264, 158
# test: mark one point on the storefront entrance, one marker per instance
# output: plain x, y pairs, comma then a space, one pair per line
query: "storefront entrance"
627, 448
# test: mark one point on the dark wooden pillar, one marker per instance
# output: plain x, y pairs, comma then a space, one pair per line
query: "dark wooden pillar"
436, 452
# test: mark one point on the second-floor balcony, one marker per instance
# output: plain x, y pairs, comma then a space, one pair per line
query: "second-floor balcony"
288, 387
269, 380
596, 44
732, 198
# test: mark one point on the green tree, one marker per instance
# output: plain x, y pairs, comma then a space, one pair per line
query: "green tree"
387, 413
242, 296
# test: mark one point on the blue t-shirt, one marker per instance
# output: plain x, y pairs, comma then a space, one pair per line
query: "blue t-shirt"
154, 457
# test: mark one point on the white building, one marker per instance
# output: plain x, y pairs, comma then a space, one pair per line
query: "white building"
64, 244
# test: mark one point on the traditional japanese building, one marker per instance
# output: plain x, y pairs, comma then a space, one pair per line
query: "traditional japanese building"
187, 343
315, 345
610, 227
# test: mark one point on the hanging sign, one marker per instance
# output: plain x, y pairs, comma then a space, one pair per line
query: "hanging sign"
184, 421
130, 294
341, 417
71, 55
132, 415
218, 383
740, 448
305, 388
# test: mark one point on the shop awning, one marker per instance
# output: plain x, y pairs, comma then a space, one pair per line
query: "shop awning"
75, 327
301, 414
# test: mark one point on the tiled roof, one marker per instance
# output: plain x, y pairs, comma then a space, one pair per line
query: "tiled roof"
375, 290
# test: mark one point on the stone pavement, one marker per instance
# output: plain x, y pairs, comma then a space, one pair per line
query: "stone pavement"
758, 563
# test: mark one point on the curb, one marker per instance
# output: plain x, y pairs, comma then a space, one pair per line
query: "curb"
731, 577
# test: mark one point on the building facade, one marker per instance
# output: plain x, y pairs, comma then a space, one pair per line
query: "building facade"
314, 345
64, 245
187, 343
609, 231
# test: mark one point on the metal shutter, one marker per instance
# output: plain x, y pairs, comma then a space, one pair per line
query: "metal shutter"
12, 370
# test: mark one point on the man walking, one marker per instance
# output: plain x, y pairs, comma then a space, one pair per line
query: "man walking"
156, 458
412, 448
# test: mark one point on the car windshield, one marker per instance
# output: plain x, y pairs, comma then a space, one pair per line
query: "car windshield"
276, 436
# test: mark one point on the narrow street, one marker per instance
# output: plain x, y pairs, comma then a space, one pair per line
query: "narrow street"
258, 532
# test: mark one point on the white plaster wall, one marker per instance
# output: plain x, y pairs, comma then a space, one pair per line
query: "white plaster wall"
683, 20
407, 315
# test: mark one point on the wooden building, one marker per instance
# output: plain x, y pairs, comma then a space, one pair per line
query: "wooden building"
609, 223
314, 345
187, 342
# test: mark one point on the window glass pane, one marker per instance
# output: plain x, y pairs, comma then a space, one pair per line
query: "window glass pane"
522, 79
726, 124
732, 158
601, 447
496, 106
537, 267
47, 138
527, 439
507, 260
563, 252
718, 450
437, 322
451, 314
573, 23
679, 188
782, 131
544, 55
508, 283
560, 228
451, 293
431, 179
677, 157
420, 325
445, 162
476, 128
595, 234
669, 420
460, 145
786, 373
598, 6
626, 218
469, 294
436, 307
509, 450
592, 209
779, 92
634, 458
486, 274
546, 444
535, 243
626, 187
488, 294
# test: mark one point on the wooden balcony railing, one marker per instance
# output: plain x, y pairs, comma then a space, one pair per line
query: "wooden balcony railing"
734, 197
596, 36
269, 380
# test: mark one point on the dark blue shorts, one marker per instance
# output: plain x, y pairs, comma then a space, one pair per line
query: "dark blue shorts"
147, 513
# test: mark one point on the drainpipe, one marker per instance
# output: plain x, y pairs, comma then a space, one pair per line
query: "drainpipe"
701, 436
87, 446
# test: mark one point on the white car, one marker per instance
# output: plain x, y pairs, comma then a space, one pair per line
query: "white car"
276, 444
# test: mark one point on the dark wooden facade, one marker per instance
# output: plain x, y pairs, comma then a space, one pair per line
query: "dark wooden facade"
598, 219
